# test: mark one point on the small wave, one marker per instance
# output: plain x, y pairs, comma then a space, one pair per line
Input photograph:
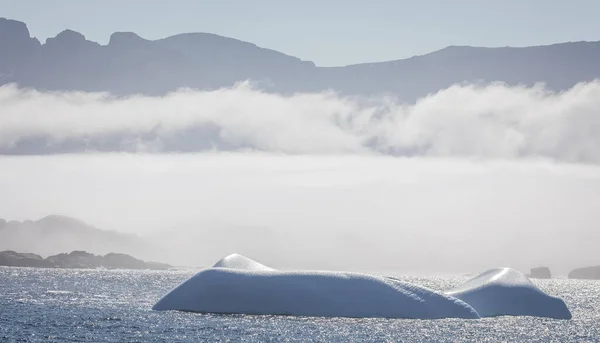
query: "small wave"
56, 292
26, 301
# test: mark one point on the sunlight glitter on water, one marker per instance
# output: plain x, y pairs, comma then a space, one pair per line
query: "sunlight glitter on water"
114, 306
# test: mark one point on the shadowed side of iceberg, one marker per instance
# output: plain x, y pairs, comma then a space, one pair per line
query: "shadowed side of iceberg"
505, 291
307, 293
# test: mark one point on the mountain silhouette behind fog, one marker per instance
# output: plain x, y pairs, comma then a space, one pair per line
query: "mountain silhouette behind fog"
195, 244
130, 64
56, 234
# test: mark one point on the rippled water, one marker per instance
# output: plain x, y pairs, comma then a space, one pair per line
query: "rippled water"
51, 305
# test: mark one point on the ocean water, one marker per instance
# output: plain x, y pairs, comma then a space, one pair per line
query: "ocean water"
57, 305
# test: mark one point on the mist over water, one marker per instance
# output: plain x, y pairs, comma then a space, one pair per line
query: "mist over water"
469, 178
354, 212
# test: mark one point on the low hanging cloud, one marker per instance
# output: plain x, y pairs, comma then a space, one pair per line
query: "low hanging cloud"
327, 211
492, 121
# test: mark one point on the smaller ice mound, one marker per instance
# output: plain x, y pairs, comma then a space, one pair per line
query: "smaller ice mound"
238, 285
505, 291
235, 261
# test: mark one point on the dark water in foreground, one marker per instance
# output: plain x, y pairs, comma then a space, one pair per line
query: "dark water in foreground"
49, 305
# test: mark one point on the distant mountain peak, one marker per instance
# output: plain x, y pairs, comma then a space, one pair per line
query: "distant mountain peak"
68, 35
15, 43
126, 39
55, 219
13, 28
69, 39
194, 36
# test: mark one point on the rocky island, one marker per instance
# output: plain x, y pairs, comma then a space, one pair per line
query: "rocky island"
586, 273
540, 273
78, 259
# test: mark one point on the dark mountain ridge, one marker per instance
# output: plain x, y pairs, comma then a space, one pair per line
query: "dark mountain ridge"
130, 64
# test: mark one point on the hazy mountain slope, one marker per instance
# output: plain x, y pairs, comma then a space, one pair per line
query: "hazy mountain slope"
58, 234
191, 244
559, 66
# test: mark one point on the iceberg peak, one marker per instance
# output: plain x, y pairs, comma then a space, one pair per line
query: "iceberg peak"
236, 261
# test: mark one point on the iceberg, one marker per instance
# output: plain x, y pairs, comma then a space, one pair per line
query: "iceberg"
239, 285
505, 291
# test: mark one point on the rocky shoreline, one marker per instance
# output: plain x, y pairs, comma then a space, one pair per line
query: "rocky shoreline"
78, 259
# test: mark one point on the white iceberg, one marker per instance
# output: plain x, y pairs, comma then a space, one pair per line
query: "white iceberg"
238, 285
505, 291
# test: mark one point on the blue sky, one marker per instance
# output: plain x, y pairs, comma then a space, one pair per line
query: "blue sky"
330, 32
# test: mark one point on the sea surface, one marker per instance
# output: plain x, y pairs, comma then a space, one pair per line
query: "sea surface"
59, 305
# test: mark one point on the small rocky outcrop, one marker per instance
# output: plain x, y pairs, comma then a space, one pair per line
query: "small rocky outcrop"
113, 260
586, 273
78, 259
540, 273
124, 261
14, 259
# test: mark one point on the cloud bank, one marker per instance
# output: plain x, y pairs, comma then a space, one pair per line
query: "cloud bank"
493, 121
497, 175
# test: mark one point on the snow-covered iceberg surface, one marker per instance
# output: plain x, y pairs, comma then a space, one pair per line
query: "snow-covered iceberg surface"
240, 285
505, 291
235, 261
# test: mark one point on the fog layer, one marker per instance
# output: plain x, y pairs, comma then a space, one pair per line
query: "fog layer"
493, 121
329, 211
